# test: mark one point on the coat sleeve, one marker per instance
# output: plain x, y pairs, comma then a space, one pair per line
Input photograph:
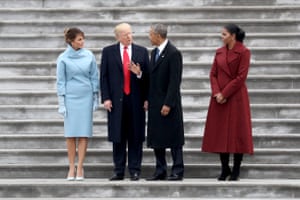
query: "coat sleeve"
104, 77
94, 75
241, 77
213, 79
173, 92
61, 77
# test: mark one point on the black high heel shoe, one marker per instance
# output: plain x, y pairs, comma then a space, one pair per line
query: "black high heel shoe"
225, 174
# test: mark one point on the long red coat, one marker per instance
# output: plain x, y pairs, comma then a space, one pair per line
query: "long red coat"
228, 126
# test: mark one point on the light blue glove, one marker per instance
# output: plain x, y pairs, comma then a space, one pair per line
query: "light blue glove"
61, 106
95, 101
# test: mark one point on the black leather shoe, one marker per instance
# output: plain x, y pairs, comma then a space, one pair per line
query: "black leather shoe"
175, 177
116, 177
135, 177
157, 177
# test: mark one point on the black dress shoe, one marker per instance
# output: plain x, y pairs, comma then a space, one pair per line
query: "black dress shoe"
116, 177
175, 177
157, 177
135, 177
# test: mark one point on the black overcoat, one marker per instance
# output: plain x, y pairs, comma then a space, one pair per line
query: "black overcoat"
112, 83
165, 79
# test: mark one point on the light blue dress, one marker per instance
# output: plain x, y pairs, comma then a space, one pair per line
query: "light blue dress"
77, 80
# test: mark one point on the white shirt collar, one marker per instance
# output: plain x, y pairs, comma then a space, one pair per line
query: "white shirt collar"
162, 46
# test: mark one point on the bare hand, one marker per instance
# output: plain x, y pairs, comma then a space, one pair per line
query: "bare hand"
135, 68
146, 105
165, 110
219, 98
108, 105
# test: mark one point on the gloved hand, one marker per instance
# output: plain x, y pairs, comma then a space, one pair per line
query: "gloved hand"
95, 101
61, 106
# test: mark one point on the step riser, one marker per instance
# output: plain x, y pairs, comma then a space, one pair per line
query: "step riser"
261, 127
188, 55
188, 99
187, 83
91, 172
133, 3
252, 83
129, 14
49, 69
190, 157
137, 190
179, 41
188, 113
142, 27
102, 143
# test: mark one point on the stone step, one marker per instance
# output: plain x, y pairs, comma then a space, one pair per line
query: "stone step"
179, 39
99, 141
204, 188
142, 25
129, 13
134, 3
258, 111
188, 82
190, 68
189, 97
103, 170
192, 126
191, 156
253, 82
189, 53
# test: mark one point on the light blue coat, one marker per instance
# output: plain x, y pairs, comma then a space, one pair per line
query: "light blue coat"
77, 80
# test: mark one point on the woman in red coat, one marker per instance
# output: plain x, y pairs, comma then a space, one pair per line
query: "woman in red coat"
228, 125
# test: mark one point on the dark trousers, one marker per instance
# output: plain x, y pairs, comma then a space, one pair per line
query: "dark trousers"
161, 164
135, 148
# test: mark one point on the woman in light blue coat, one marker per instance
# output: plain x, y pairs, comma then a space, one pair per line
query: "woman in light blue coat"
77, 90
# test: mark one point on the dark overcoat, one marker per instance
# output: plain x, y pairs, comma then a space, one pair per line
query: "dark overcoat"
165, 79
112, 83
228, 126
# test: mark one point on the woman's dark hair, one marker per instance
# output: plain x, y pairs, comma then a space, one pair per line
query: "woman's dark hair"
234, 29
71, 33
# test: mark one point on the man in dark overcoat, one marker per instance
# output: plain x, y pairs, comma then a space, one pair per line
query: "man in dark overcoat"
124, 86
165, 118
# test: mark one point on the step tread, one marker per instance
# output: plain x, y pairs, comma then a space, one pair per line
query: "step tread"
104, 150
126, 182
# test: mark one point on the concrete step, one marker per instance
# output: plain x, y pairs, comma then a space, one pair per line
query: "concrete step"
203, 54
188, 82
189, 188
133, 3
256, 67
129, 13
258, 111
253, 82
190, 68
99, 141
142, 25
105, 170
191, 156
192, 126
189, 97
179, 39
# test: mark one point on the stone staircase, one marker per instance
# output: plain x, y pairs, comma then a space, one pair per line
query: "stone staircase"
33, 158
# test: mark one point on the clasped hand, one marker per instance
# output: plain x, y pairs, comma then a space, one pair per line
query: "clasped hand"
220, 98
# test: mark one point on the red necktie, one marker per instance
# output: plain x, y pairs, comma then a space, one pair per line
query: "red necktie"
126, 71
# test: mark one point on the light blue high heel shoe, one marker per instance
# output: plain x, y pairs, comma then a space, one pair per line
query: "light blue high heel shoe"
71, 178
80, 178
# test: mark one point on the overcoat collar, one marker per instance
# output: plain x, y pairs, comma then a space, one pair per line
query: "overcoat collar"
161, 57
226, 59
